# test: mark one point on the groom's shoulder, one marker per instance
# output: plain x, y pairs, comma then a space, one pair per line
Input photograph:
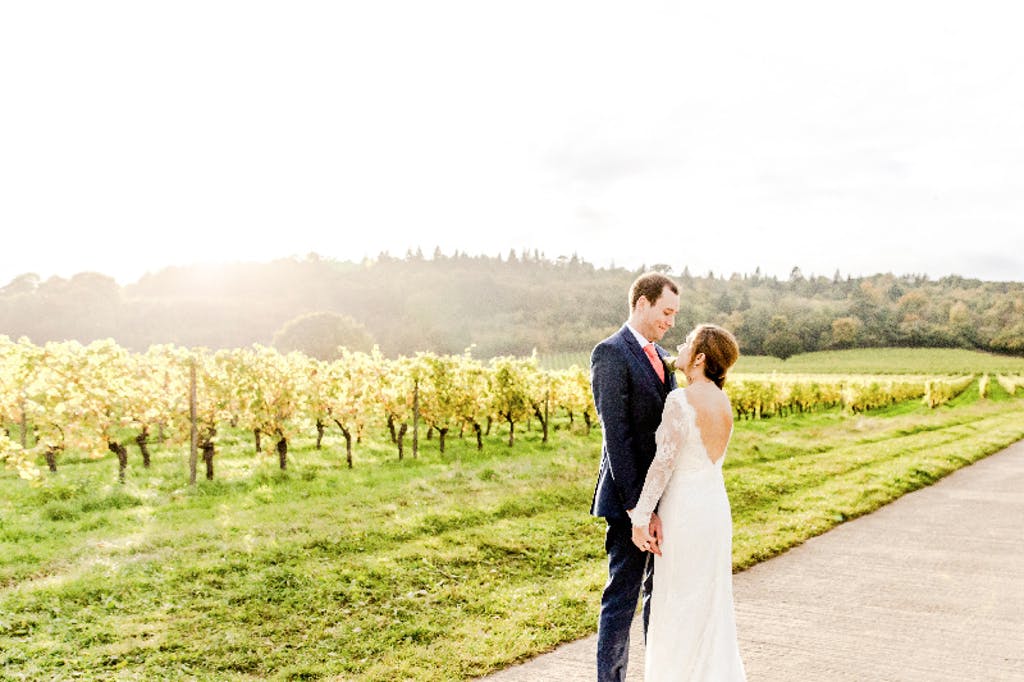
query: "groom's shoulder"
615, 340
613, 345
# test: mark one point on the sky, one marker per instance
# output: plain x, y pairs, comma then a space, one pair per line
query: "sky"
877, 136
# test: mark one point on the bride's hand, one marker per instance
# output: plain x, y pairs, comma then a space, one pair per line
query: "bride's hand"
645, 541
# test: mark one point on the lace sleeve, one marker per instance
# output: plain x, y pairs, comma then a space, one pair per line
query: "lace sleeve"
670, 437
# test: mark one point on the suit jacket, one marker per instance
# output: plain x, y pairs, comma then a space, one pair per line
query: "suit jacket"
629, 398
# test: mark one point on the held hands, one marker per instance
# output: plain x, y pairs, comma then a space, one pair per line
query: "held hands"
649, 539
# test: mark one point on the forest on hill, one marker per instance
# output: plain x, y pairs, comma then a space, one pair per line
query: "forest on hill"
509, 304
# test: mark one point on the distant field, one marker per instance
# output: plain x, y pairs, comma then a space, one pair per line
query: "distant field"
565, 360
887, 361
856, 361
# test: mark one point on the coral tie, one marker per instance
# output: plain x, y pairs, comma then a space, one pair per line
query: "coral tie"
656, 363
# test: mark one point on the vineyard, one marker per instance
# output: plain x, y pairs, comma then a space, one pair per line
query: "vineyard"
100, 399
443, 565
758, 396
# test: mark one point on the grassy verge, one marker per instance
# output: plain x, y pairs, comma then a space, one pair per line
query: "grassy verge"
444, 567
853, 361
886, 361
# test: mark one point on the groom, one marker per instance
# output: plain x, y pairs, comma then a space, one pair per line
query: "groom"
630, 382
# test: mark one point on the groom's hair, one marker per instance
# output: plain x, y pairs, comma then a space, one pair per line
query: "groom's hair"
650, 285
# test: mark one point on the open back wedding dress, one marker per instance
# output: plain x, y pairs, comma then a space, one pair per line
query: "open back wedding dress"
692, 630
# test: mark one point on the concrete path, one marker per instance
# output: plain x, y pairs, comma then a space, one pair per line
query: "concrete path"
929, 588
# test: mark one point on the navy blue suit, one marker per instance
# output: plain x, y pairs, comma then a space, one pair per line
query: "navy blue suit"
629, 398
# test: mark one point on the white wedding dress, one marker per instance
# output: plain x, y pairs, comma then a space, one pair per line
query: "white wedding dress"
692, 631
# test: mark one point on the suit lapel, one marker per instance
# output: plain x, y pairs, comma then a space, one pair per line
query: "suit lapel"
670, 375
641, 357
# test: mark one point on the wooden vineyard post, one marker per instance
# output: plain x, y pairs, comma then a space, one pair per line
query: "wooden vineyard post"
193, 431
24, 425
547, 404
415, 418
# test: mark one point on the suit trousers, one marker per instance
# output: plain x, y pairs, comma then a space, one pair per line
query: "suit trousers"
629, 569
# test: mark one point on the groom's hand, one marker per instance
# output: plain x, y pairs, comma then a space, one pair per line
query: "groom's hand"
657, 533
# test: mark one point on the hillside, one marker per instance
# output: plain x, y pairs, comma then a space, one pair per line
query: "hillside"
509, 305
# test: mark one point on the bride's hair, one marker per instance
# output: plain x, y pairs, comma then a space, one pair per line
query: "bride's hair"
719, 348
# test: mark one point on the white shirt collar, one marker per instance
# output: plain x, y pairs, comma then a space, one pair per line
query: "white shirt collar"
640, 338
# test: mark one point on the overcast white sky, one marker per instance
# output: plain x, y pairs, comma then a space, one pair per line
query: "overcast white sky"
876, 136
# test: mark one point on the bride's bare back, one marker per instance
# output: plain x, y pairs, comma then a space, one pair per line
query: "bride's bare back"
713, 413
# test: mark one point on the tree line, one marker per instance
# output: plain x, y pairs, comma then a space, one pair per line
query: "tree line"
509, 304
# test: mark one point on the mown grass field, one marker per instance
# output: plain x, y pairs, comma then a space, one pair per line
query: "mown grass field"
886, 361
439, 568
859, 361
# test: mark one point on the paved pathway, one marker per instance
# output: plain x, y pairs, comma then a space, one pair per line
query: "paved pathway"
929, 588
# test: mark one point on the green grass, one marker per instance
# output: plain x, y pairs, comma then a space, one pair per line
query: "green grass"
886, 361
856, 361
565, 360
444, 567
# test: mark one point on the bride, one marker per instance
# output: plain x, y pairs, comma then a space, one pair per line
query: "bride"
692, 630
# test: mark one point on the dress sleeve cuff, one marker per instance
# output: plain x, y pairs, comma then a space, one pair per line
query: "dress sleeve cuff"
638, 519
